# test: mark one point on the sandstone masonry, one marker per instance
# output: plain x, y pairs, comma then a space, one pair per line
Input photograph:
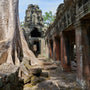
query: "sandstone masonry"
68, 38
34, 29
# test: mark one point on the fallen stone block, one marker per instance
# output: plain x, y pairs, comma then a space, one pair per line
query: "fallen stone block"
44, 74
35, 71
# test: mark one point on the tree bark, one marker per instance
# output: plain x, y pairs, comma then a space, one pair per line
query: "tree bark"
13, 47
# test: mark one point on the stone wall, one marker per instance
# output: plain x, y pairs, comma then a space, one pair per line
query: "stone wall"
9, 79
68, 40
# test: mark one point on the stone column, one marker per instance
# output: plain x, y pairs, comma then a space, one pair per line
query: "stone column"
51, 48
62, 50
54, 49
50, 53
57, 48
79, 54
64, 57
47, 49
86, 51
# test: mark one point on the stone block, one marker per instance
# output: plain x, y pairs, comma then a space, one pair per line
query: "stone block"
35, 71
44, 74
34, 80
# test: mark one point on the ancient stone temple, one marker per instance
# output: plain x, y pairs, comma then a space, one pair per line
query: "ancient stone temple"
68, 38
34, 29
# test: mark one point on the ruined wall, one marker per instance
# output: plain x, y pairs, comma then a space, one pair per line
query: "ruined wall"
71, 27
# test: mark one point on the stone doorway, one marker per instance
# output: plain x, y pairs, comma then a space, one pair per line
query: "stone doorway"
37, 47
70, 49
35, 33
58, 54
51, 49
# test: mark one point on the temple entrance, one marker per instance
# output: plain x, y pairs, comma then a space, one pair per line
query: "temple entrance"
35, 33
35, 36
70, 48
36, 47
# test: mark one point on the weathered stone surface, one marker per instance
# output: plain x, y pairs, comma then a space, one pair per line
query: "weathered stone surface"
34, 80
68, 38
44, 74
9, 79
34, 29
35, 71
27, 79
48, 63
46, 85
50, 67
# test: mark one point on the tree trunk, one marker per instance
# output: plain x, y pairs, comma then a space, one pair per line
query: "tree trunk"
13, 47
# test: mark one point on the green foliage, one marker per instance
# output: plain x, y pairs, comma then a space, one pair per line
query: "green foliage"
48, 18
22, 24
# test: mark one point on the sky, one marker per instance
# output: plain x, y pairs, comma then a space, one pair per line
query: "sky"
44, 5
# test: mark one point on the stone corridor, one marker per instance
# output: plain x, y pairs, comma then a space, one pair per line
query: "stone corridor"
68, 39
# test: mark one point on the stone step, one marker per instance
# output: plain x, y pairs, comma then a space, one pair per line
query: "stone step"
50, 67
48, 63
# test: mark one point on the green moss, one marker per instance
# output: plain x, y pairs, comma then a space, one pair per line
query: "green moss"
27, 66
28, 79
48, 78
28, 85
34, 80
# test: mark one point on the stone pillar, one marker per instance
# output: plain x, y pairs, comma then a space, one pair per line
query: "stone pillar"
51, 48
50, 51
86, 51
47, 49
54, 49
64, 57
79, 32
57, 41
62, 50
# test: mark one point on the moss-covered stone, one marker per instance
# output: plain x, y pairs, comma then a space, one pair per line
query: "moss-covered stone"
27, 66
28, 85
34, 80
41, 79
44, 74
27, 79
35, 71
11, 78
7, 87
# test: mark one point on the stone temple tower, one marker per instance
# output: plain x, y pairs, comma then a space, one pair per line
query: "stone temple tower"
34, 28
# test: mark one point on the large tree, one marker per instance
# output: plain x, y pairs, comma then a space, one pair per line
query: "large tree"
13, 47
48, 18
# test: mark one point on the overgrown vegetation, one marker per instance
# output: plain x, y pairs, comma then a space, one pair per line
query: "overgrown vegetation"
48, 18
